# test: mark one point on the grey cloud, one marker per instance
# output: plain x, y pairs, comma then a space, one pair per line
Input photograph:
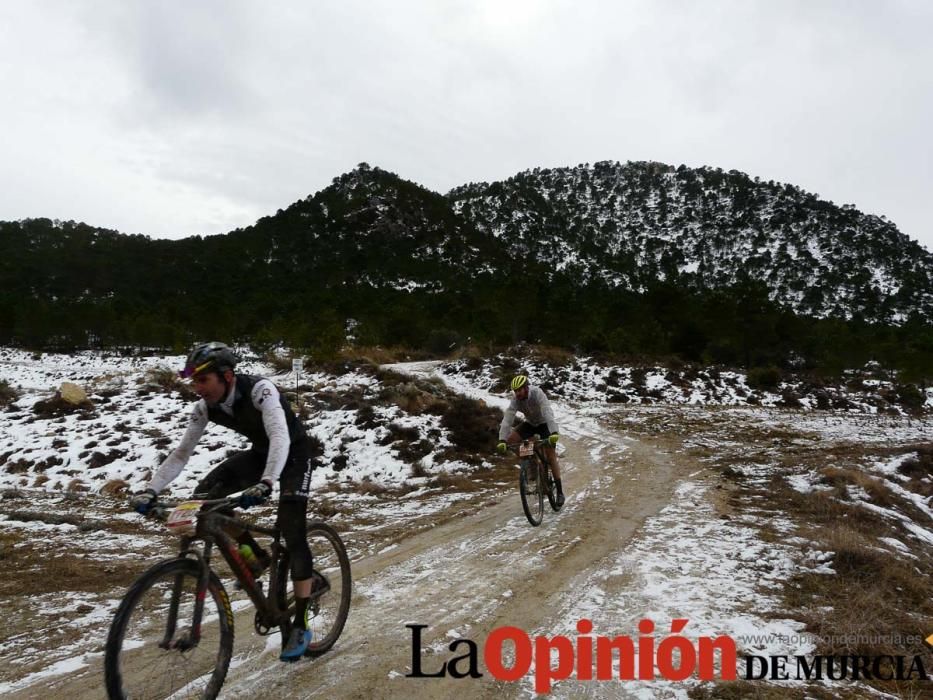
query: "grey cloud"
247, 106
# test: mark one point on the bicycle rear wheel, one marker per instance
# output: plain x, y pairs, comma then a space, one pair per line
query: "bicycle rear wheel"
139, 663
328, 611
532, 491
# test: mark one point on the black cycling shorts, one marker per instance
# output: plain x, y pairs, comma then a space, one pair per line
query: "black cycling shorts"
244, 469
526, 430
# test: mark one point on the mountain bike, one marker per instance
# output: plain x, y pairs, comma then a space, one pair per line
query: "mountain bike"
535, 480
172, 635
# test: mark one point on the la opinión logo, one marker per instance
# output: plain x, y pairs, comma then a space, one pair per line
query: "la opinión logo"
585, 658
509, 654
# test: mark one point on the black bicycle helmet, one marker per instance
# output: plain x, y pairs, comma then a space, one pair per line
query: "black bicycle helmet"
215, 357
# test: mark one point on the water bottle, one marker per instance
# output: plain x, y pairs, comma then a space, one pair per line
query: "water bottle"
252, 561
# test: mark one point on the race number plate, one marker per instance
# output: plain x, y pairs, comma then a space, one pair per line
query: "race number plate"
526, 449
184, 518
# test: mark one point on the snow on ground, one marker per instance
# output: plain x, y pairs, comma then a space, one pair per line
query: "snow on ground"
685, 562
582, 379
58, 463
688, 562
134, 425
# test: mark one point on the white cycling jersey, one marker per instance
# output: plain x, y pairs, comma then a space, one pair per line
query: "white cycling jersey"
265, 398
536, 409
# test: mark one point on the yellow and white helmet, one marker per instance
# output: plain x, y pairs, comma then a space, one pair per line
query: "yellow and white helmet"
518, 381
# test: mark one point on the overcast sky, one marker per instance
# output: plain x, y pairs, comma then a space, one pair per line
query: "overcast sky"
174, 118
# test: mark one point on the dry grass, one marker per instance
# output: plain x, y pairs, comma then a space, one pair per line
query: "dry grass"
553, 356
323, 508
456, 482
413, 395
920, 471
367, 487
474, 356
9, 539
875, 599
166, 380
279, 364
67, 572
77, 486
378, 355
115, 488
33, 568
841, 478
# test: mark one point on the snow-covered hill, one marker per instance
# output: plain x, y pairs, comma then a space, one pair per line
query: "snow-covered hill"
634, 223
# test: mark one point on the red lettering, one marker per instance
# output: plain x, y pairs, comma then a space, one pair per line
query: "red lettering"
492, 653
544, 674
646, 651
584, 651
626, 648
727, 658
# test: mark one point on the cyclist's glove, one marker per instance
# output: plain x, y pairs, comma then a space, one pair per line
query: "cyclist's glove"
141, 502
255, 495
501, 448
553, 438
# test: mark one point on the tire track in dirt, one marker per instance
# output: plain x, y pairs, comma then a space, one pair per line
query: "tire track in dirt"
469, 576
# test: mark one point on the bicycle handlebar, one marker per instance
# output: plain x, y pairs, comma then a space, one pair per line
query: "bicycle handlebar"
161, 509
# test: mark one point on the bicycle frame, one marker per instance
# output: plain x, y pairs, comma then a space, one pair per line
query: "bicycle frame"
542, 464
539, 451
542, 455
210, 530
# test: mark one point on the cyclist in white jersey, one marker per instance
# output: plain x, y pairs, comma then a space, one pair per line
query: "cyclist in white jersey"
533, 404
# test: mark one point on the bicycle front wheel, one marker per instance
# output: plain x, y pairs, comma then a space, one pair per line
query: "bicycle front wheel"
328, 611
531, 488
149, 651
551, 489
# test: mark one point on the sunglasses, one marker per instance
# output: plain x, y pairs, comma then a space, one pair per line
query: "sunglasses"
191, 370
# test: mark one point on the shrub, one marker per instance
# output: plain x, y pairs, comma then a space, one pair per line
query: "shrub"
279, 363
442, 341
918, 467
764, 377
399, 432
910, 396
8, 394
555, 357
472, 424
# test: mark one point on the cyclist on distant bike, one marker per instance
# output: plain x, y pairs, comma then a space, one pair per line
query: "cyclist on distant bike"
253, 407
532, 402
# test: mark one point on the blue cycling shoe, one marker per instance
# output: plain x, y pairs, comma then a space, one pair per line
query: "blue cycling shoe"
298, 642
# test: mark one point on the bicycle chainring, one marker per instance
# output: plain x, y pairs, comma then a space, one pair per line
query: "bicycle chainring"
261, 626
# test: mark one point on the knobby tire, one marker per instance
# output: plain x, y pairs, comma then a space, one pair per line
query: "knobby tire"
328, 613
134, 664
532, 491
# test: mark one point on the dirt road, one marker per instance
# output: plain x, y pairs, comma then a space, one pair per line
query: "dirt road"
462, 579
469, 576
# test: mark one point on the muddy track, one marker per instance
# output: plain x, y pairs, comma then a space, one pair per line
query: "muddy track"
469, 576
463, 578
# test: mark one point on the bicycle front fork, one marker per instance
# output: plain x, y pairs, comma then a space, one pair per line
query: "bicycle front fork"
190, 638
